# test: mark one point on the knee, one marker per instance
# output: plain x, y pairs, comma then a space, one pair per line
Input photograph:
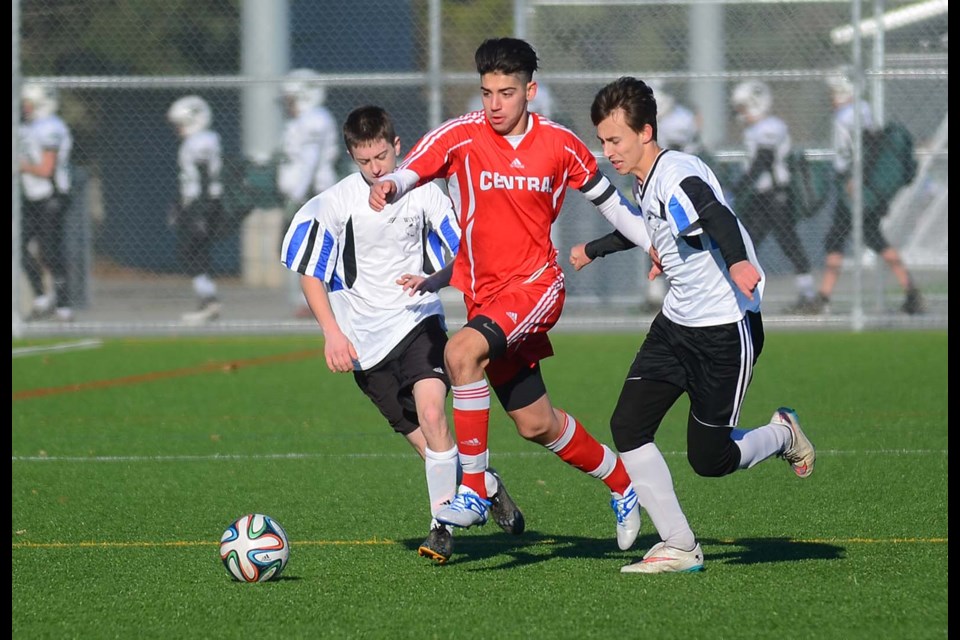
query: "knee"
432, 418
463, 354
539, 431
709, 465
627, 435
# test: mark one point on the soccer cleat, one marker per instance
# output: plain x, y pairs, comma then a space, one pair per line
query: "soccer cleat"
209, 310
664, 559
64, 314
627, 509
465, 510
504, 510
913, 303
43, 307
800, 454
438, 546
806, 306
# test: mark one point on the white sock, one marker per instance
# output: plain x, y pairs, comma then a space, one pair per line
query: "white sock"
440, 468
654, 486
756, 445
805, 286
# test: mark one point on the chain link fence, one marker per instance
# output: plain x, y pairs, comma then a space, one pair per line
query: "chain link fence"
742, 72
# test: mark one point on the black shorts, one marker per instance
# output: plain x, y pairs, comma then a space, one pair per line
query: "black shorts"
389, 384
713, 365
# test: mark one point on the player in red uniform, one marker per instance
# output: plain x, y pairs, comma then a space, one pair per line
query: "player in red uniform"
507, 172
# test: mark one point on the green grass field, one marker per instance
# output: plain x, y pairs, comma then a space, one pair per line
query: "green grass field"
130, 458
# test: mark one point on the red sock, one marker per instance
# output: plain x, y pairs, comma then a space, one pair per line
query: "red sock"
471, 420
579, 449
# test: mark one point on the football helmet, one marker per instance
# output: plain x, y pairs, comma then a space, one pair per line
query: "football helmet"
841, 88
752, 100
304, 89
190, 114
665, 100
43, 100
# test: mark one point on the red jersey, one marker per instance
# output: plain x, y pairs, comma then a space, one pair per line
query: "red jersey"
506, 199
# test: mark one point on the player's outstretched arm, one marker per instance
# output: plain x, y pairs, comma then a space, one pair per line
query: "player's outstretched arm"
381, 194
421, 285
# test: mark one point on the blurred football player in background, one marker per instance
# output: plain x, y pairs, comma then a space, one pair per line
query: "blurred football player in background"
362, 273
844, 105
309, 153
45, 145
763, 191
198, 214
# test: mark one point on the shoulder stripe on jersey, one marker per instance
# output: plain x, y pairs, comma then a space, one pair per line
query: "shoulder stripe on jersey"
326, 249
453, 240
296, 241
431, 137
349, 256
699, 192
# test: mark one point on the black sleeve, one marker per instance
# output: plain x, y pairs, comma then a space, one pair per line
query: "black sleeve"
610, 243
763, 161
717, 220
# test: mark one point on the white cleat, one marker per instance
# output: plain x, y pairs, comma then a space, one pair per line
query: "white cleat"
465, 510
800, 454
664, 559
627, 509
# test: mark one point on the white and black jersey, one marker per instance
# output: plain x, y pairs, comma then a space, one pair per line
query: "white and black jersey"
767, 145
36, 137
200, 160
310, 149
359, 253
844, 128
677, 190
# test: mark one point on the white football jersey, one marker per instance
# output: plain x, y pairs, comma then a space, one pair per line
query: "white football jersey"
701, 292
43, 134
359, 253
201, 162
769, 133
843, 133
311, 145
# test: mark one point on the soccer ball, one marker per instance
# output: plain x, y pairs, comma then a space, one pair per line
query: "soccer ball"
254, 548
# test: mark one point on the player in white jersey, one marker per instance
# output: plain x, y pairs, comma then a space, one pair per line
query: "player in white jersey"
706, 339
362, 273
763, 194
678, 127
845, 107
45, 145
198, 213
309, 153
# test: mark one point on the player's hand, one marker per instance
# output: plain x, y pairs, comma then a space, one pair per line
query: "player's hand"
339, 352
415, 284
745, 276
578, 256
381, 194
655, 267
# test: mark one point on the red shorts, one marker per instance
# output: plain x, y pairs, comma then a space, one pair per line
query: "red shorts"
525, 312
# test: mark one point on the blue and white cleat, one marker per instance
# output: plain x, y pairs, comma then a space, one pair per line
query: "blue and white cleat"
627, 509
465, 510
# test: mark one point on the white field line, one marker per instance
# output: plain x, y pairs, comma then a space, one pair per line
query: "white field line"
77, 345
310, 456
